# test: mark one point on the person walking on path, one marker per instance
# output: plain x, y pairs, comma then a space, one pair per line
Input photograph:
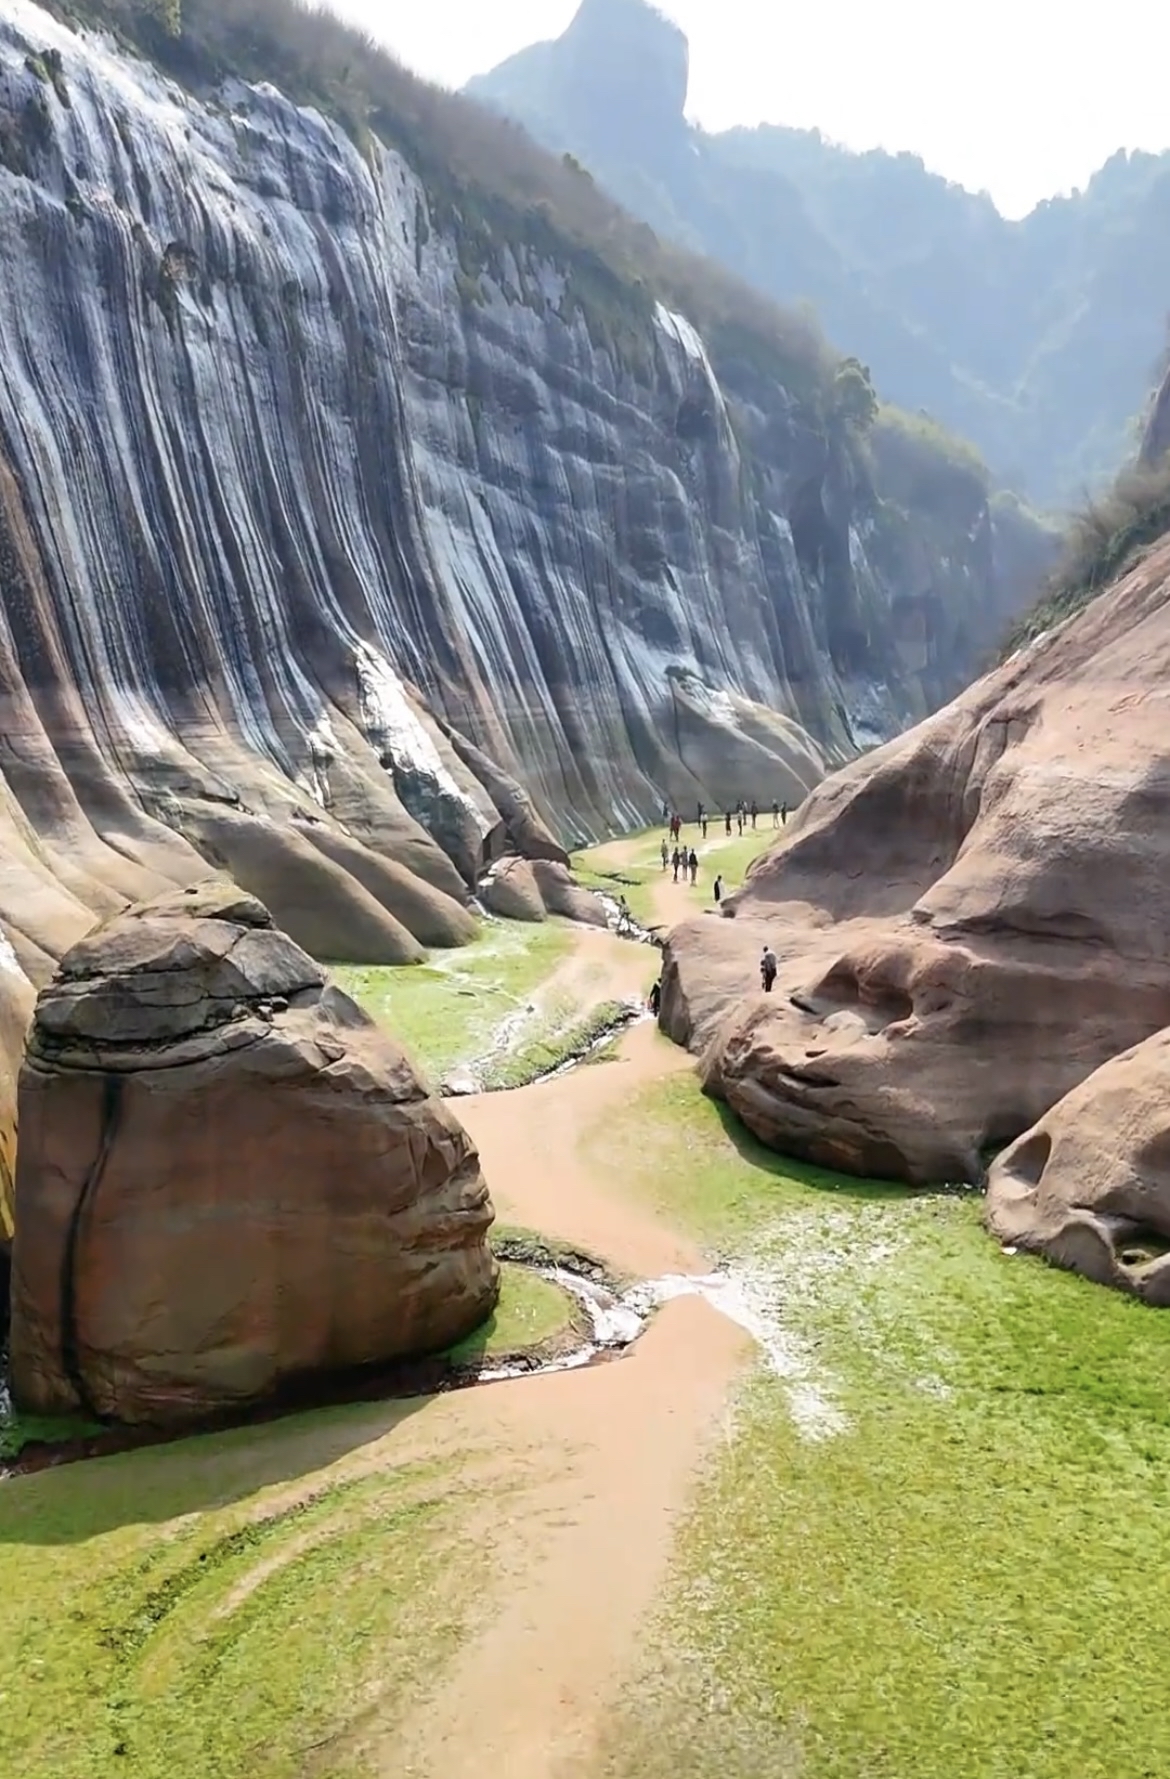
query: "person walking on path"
666, 814
755, 813
718, 891
727, 819
665, 855
693, 862
783, 815
675, 859
655, 997
768, 968
739, 819
775, 815
703, 824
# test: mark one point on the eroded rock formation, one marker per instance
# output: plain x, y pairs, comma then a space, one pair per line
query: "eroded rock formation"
1088, 1186
399, 549
969, 920
229, 1179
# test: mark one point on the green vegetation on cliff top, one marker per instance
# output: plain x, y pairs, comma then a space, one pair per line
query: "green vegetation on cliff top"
1106, 537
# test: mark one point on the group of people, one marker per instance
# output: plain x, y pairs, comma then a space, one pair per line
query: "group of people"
682, 860
741, 814
685, 860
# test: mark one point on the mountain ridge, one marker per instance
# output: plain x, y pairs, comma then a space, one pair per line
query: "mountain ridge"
1022, 336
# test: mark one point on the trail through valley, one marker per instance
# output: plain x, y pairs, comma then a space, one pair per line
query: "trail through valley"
607, 1457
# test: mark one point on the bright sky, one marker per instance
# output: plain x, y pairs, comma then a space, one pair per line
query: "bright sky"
1022, 98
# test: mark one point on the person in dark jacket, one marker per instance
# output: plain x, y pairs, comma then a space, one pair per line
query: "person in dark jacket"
718, 891
693, 863
768, 968
656, 997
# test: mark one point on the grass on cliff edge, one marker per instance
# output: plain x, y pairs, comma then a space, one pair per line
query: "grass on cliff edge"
937, 1542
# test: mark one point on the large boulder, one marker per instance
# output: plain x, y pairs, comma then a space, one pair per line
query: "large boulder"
228, 1178
969, 920
510, 890
563, 895
1089, 1185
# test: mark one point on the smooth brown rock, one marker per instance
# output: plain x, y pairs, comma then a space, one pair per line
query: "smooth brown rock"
969, 921
1088, 1187
229, 1179
511, 891
562, 895
317, 901
428, 914
521, 827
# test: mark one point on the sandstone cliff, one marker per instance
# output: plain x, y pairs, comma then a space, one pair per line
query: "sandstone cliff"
309, 501
969, 920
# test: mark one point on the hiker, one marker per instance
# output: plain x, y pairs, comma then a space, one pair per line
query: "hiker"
718, 891
768, 968
625, 918
701, 813
784, 814
727, 819
739, 819
666, 813
704, 824
755, 811
675, 858
693, 861
775, 815
656, 997
665, 855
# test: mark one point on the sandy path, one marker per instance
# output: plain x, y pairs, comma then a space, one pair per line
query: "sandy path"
605, 1459
533, 1146
584, 1549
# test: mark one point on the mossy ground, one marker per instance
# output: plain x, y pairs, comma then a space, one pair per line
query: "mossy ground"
532, 1315
961, 1572
247, 1602
243, 1603
563, 1033
447, 1011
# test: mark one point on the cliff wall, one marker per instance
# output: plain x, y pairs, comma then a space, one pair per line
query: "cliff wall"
322, 527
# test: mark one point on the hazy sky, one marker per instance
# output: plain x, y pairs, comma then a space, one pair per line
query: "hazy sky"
1023, 98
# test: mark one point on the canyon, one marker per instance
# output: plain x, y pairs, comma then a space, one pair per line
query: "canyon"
325, 549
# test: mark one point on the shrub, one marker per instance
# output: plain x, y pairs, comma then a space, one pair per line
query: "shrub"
1103, 539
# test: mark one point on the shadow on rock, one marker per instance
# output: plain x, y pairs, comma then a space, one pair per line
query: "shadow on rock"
969, 921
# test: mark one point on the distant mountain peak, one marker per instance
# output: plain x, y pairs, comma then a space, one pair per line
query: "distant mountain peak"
621, 58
